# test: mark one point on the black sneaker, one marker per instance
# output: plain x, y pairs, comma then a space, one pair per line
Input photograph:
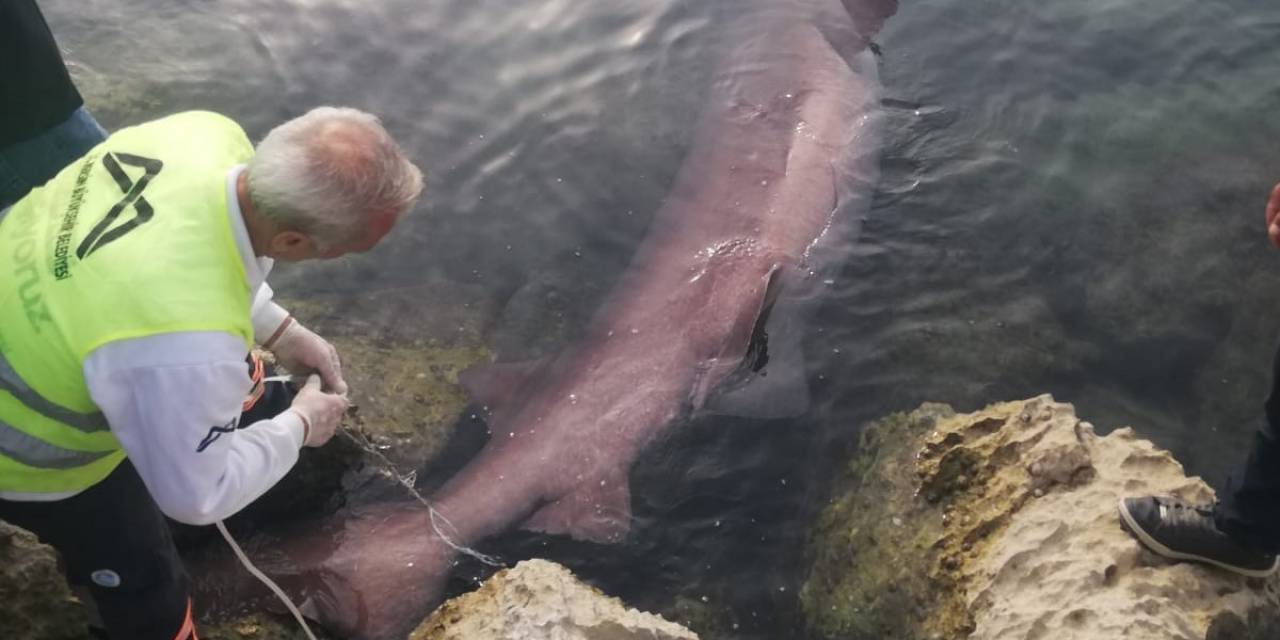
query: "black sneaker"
1175, 529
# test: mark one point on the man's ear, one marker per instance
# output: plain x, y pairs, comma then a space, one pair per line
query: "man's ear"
292, 246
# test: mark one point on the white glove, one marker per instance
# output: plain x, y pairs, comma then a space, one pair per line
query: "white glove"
320, 412
303, 352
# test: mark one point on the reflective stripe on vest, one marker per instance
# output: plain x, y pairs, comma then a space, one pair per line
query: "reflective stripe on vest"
9, 381
37, 453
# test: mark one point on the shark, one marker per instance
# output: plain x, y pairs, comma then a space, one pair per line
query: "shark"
783, 163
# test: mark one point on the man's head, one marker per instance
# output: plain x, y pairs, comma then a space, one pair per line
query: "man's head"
324, 184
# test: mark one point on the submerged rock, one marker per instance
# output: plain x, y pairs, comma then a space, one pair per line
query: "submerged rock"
259, 626
402, 350
541, 600
1002, 524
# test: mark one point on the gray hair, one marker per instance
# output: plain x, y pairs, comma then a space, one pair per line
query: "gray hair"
323, 172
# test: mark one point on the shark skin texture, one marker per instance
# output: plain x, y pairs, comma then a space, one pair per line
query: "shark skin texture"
784, 162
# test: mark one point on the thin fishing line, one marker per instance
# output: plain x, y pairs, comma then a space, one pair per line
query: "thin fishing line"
437, 518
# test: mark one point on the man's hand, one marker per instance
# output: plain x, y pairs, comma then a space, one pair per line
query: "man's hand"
303, 352
1273, 216
320, 412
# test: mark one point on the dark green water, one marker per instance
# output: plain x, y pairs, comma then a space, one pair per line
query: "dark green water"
1071, 203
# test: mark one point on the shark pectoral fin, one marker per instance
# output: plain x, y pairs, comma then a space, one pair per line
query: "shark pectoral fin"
599, 511
491, 385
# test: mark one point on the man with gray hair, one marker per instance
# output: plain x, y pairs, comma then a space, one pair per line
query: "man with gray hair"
133, 290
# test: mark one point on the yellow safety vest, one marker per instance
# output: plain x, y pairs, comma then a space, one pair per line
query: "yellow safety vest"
131, 240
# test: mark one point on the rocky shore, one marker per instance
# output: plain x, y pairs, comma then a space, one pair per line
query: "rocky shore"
998, 524
1002, 524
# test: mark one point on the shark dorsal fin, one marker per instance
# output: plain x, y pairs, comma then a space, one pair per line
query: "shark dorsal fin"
597, 511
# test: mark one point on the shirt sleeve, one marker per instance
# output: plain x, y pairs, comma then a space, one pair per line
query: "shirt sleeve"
173, 401
267, 315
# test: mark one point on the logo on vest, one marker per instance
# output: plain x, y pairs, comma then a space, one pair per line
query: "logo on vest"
26, 273
108, 229
62, 244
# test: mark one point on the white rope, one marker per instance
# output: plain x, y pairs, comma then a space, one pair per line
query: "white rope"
436, 518
244, 559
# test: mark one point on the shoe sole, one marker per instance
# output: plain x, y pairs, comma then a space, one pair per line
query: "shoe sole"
1162, 550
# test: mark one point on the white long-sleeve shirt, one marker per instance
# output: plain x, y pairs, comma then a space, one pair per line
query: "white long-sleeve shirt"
173, 401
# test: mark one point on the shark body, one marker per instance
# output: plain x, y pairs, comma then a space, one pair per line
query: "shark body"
785, 158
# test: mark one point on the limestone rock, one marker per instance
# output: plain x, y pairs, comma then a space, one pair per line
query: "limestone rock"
35, 603
1002, 524
540, 600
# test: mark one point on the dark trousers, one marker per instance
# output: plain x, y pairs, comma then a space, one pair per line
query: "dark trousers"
1249, 507
115, 542
33, 162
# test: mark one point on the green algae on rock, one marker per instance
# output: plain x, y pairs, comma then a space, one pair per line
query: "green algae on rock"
871, 549
259, 626
403, 375
407, 395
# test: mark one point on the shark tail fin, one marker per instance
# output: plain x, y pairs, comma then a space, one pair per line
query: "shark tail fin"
598, 511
